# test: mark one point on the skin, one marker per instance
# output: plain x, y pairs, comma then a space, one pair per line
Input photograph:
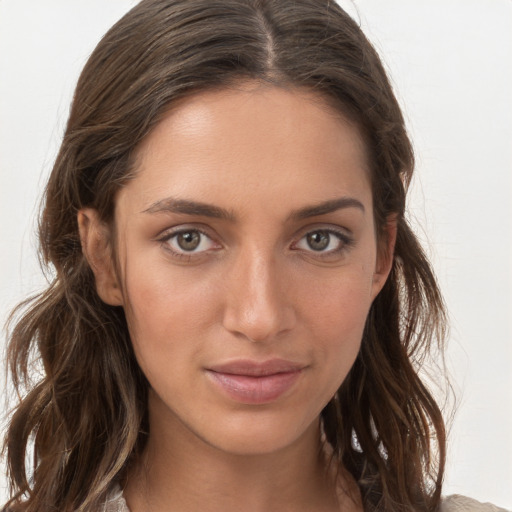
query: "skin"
270, 278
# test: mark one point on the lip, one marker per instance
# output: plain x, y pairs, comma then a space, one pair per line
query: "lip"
254, 382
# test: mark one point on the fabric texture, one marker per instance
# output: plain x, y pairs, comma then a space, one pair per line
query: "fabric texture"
455, 503
116, 502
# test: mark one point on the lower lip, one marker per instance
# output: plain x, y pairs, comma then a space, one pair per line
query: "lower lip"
255, 390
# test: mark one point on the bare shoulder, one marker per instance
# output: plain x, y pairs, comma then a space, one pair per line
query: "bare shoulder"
457, 503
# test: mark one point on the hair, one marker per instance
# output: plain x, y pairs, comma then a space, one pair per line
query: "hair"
77, 428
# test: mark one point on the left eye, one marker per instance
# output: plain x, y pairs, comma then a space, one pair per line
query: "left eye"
189, 241
323, 241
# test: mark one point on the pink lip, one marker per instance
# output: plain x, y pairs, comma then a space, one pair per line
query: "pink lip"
253, 382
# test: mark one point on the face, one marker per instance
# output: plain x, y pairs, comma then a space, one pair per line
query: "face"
246, 264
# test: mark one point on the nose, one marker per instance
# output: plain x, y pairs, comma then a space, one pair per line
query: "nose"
257, 305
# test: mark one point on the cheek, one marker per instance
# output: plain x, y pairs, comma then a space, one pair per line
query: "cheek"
165, 310
335, 316
341, 300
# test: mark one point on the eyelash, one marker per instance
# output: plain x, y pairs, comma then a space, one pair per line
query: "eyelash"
166, 238
345, 242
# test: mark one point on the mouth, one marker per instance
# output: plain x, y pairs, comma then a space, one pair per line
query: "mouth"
252, 382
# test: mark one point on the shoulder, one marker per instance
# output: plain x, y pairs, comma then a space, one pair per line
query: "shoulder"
454, 503
457, 503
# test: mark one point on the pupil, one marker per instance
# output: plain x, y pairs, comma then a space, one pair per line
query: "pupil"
189, 240
319, 240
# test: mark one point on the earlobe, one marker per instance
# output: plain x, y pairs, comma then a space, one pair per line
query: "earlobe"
96, 247
385, 254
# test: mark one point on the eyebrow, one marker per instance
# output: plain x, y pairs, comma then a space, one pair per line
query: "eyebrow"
327, 207
189, 207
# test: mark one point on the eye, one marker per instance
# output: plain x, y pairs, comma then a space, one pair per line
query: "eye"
324, 241
188, 242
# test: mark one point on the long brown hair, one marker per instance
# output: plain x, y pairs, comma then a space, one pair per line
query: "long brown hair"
85, 418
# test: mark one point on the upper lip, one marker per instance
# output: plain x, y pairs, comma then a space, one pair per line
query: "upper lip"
253, 368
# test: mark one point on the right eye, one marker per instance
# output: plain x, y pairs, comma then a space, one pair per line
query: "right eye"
188, 242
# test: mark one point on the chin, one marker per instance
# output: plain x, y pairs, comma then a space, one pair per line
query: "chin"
237, 429
259, 434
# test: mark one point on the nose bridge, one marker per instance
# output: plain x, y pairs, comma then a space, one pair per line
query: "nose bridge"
257, 305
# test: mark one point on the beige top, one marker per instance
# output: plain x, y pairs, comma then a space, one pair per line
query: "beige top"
455, 503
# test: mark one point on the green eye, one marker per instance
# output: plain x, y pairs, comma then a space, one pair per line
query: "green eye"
324, 242
318, 240
188, 240
183, 242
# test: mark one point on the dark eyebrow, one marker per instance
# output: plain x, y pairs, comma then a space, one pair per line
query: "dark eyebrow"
173, 205
327, 207
188, 207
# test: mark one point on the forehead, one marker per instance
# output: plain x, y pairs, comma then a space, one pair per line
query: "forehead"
252, 141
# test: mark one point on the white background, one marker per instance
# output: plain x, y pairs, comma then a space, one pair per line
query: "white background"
451, 63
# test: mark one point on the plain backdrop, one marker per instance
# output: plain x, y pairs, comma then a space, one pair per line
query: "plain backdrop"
451, 65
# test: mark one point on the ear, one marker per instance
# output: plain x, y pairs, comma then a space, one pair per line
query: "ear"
385, 253
96, 247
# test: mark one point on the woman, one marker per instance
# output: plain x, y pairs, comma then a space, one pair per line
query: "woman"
239, 307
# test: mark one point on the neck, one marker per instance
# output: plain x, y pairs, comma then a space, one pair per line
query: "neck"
182, 472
